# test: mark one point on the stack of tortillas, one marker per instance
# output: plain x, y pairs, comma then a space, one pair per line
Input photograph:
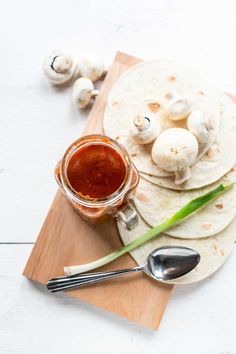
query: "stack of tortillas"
211, 231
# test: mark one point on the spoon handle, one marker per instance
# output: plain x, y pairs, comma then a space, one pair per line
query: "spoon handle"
69, 283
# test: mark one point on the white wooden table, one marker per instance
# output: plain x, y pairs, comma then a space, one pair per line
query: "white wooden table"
37, 122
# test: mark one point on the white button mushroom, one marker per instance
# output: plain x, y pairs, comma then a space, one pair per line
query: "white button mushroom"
177, 106
60, 68
83, 91
92, 68
175, 150
145, 128
202, 126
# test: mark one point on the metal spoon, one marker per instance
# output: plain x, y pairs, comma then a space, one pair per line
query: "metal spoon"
164, 263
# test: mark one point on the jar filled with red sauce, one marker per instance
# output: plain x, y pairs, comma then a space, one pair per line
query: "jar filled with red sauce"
98, 178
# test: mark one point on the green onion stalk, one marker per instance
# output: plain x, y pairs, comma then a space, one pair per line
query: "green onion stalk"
187, 210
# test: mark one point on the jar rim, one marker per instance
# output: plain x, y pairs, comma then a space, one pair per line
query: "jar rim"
89, 140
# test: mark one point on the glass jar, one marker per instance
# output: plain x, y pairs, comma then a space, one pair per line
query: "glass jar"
117, 204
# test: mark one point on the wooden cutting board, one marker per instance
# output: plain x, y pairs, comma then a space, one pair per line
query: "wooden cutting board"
65, 239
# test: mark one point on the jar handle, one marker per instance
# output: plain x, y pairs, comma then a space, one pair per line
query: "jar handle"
127, 216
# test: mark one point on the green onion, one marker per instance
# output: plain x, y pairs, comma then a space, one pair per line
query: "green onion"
182, 214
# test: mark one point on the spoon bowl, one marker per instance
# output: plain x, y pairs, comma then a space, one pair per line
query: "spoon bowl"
167, 263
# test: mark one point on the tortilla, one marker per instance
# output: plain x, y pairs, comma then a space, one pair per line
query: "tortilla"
145, 85
157, 204
213, 250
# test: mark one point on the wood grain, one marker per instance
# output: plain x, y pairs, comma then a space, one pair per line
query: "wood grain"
65, 239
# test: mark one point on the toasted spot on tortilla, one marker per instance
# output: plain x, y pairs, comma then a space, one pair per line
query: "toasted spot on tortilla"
201, 93
114, 103
222, 252
154, 106
171, 78
207, 226
214, 247
169, 95
142, 198
219, 206
117, 137
133, 155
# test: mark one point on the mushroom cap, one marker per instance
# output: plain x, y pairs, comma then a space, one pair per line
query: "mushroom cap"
60, 67
146, 128
177, 106
82, 92
203, 127
92, 68
175, 149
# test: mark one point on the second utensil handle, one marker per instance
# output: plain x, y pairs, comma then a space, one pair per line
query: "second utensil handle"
55, 285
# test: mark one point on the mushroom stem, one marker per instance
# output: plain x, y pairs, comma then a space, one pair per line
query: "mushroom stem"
145, 128
94, 93
61, 64
182, 175
141, 122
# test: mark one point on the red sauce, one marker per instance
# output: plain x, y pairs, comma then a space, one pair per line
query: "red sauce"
96, 171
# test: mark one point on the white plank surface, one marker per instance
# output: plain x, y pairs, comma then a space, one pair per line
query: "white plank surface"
200, 318
37, 122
